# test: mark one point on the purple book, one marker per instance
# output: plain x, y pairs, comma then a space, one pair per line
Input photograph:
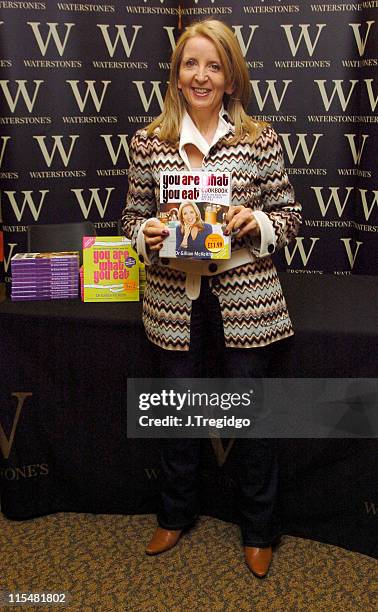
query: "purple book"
51, 263
44, 291
44, 266
22, 298
46, 257
43, 286
44, 276
44, 273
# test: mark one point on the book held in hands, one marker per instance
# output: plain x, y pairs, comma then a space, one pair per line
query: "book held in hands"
193, 206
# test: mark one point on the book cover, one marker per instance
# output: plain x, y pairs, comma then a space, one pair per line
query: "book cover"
110, 270
193, 206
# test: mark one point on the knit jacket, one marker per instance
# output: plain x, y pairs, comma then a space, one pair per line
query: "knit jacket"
252, 304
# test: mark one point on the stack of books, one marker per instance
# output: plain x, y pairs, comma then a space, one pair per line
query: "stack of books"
45, 276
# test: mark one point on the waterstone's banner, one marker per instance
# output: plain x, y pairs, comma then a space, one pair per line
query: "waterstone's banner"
77, 80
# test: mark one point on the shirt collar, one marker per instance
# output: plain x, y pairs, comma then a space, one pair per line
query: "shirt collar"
190, 134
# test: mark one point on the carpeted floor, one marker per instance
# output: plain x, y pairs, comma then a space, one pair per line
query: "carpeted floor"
99, 561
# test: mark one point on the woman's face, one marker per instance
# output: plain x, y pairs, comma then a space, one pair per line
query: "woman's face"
201, 76
188, 215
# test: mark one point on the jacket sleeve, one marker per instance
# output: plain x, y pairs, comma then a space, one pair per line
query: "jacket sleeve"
140, 200
279, 209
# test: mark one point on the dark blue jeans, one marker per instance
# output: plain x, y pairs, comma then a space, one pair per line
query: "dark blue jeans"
256, 459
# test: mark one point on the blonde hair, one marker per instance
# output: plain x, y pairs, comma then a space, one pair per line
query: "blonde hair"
237, 77
198, 223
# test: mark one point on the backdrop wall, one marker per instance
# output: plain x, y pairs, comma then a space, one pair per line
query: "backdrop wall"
79, 78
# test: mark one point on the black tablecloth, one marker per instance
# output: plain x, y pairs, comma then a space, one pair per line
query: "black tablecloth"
63, 413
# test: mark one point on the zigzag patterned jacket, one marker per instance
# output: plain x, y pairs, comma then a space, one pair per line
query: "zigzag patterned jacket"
253, 307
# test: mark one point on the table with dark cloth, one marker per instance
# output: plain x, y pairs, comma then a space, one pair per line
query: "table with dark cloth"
63, 408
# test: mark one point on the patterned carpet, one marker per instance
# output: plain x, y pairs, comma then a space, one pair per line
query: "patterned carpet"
99, 561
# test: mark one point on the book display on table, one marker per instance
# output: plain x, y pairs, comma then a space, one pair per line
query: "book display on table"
110, 270
192, 206
45, 276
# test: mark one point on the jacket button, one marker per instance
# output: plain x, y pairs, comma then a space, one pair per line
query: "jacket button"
141, 258
165, 261
213, 267
271, 248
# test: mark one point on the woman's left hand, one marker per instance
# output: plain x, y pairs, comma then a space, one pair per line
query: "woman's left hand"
241, 221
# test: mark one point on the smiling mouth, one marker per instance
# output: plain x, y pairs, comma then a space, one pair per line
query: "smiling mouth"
201, 91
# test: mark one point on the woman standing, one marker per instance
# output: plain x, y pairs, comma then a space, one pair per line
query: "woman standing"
204, 125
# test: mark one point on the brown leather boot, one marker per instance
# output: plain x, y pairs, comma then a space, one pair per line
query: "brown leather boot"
162, 540
258, 560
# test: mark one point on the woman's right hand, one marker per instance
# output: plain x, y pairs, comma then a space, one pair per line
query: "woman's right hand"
154, 234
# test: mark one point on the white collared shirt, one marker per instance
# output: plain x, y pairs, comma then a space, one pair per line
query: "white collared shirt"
190, 134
